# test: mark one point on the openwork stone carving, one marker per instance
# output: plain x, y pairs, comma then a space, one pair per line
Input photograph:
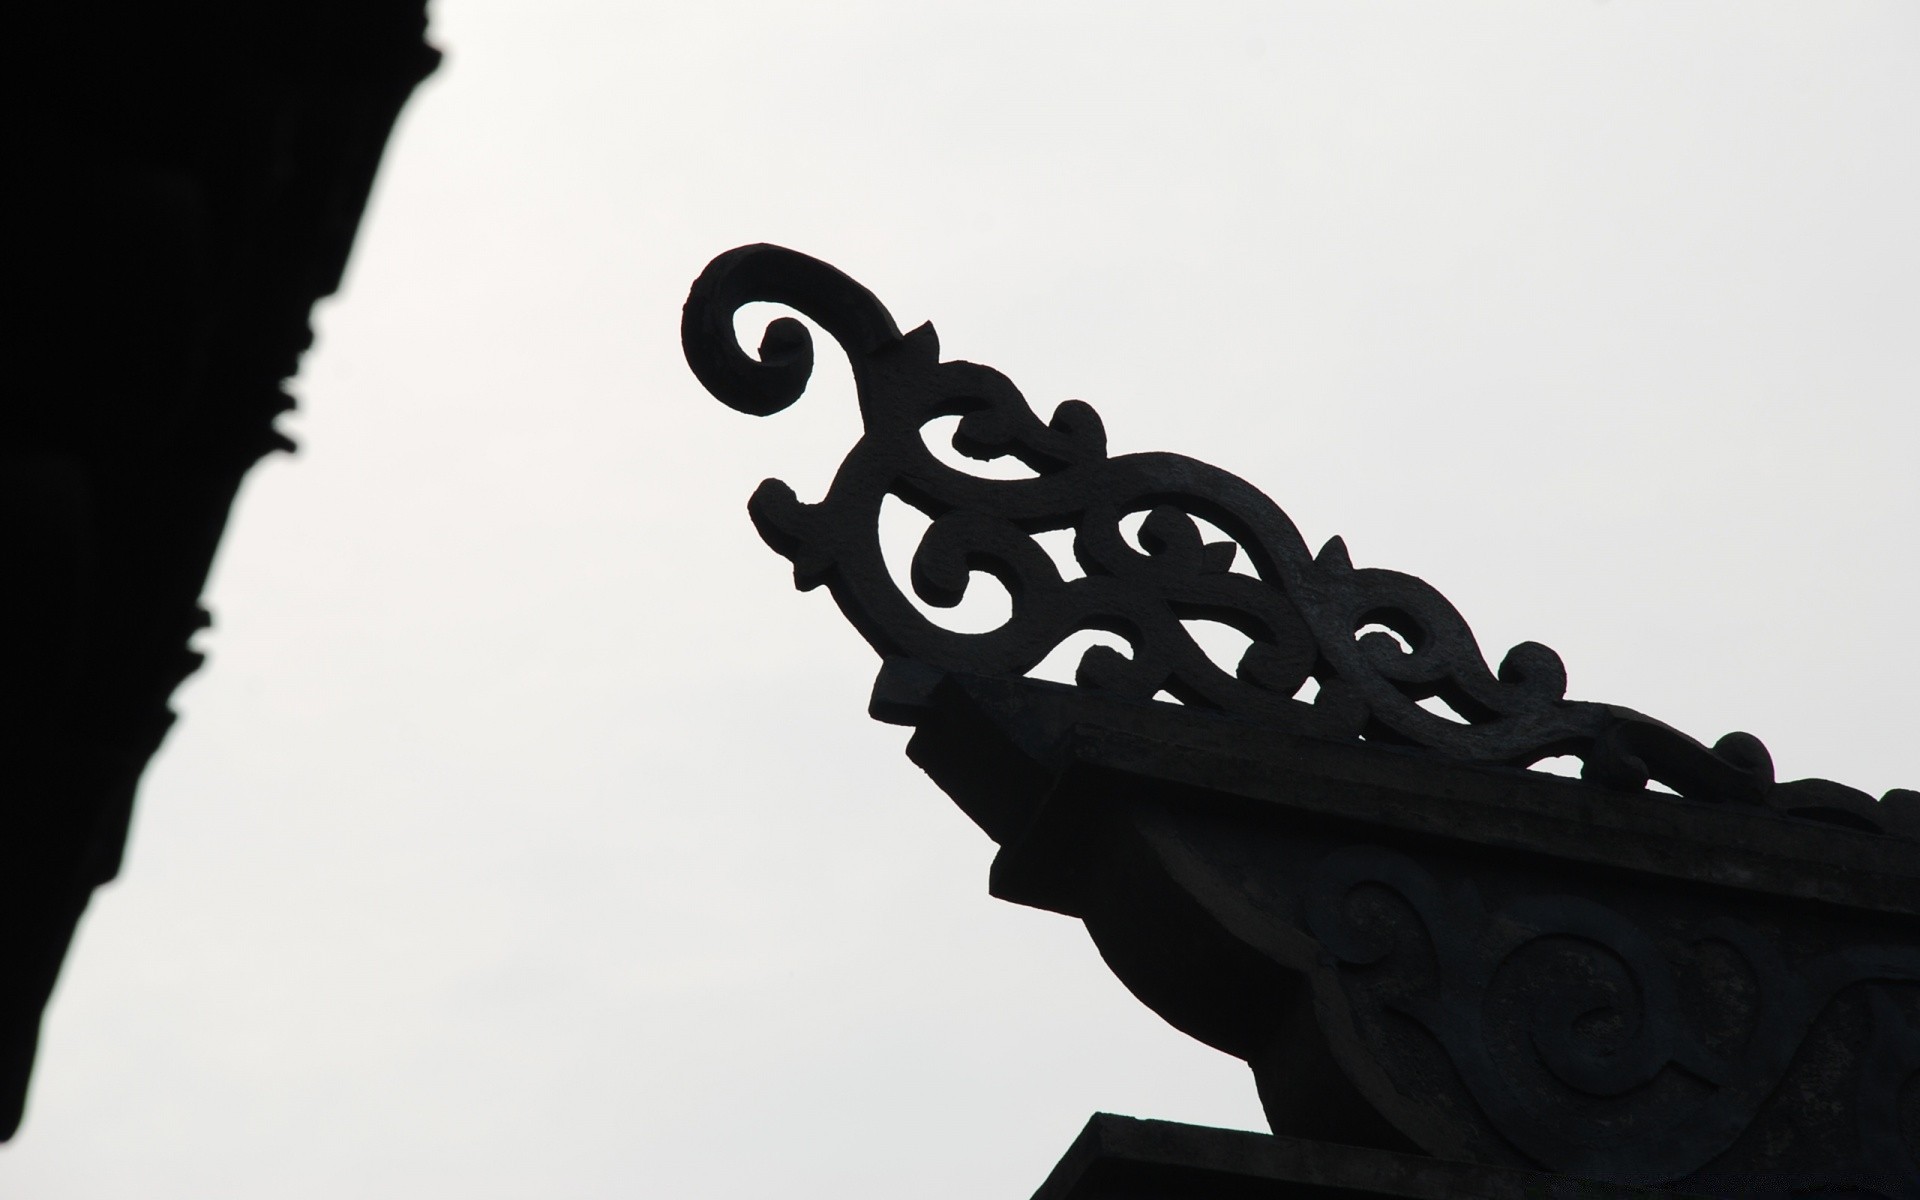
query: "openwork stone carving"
1416, 947
1375, 642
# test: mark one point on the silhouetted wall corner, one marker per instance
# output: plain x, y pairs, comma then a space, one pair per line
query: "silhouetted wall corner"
1295, 809
193, 177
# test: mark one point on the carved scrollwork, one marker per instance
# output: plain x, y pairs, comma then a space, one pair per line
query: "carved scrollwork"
1566, 1022
1376, 643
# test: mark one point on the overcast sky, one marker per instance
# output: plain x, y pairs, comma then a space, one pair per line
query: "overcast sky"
525, 835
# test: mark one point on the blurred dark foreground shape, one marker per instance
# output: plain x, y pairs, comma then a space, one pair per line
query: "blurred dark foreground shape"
187, 183
1326, 852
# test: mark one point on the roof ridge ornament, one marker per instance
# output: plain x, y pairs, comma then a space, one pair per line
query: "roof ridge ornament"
1377, 642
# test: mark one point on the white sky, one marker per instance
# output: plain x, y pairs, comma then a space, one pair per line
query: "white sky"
526, 836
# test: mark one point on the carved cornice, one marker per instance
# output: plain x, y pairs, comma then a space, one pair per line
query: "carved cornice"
1490, 966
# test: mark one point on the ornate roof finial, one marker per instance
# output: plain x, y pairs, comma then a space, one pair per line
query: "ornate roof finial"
1374, 643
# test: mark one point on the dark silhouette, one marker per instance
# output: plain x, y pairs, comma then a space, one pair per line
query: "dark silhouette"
1451, 975
192, 177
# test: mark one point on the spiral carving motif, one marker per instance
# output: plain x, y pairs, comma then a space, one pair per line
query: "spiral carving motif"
1565, 1021
1377, 643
